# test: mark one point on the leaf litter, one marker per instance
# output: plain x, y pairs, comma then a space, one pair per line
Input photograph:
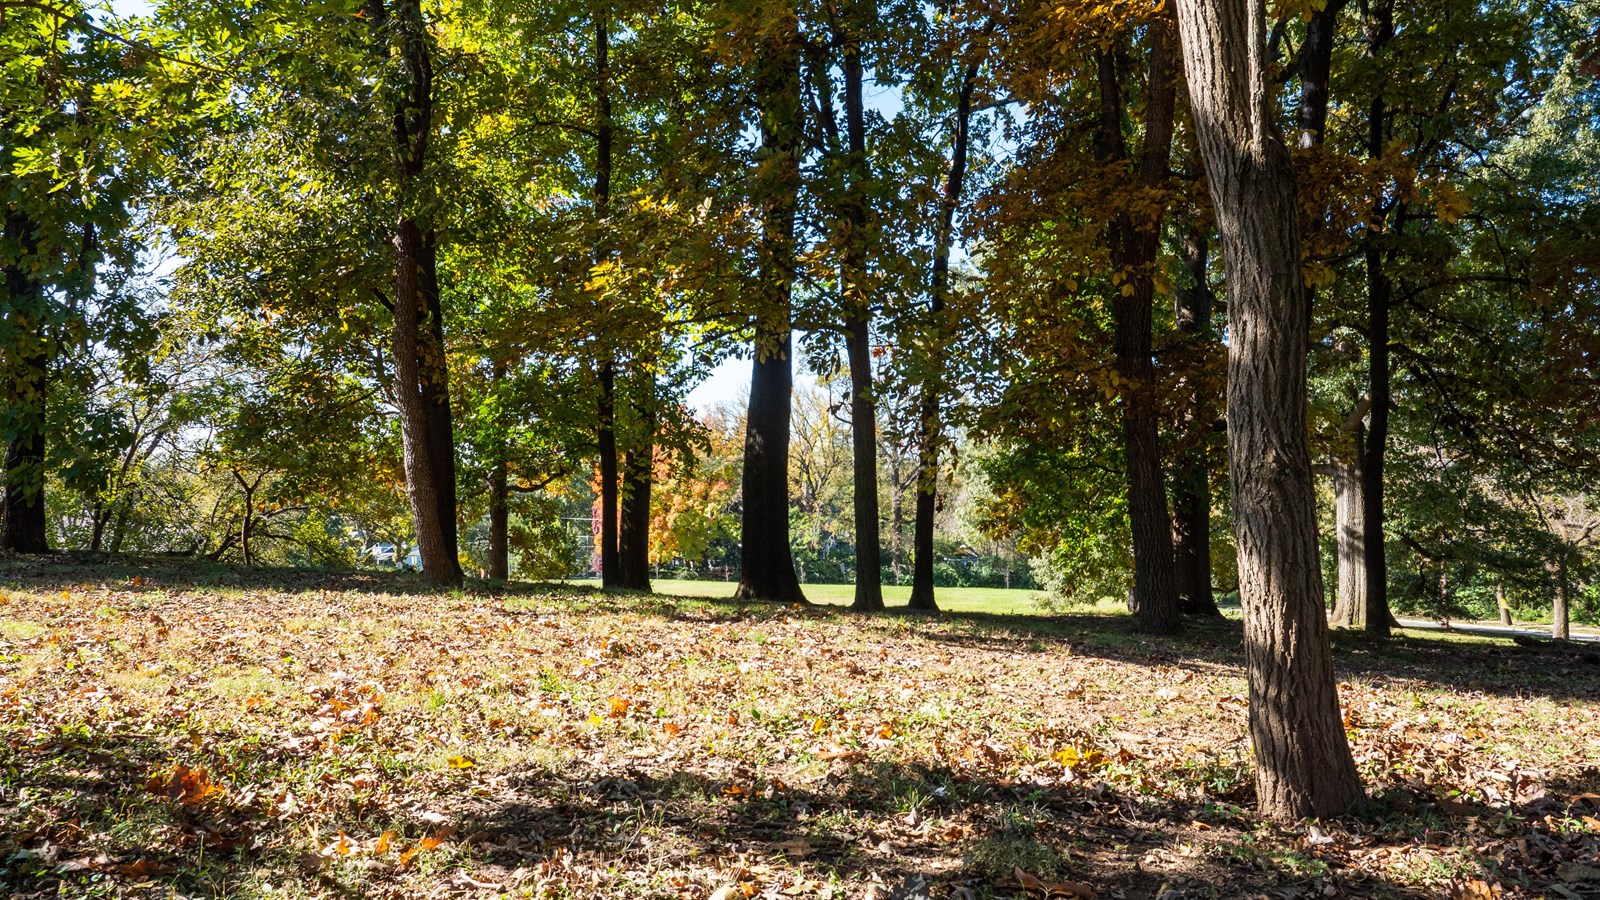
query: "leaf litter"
322, 735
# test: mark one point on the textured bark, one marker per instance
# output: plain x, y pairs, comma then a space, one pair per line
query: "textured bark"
1133, 245
26, 367
419, 386
1303, 762
1191, 479
1350, 600
1379, 290
930, 432
610, 560
1316, 70
766, 559
858, 328
633, 540
1560, 605
1500, 604
435, 371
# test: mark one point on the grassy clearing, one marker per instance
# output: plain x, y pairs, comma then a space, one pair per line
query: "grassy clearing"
206, 732
999, 601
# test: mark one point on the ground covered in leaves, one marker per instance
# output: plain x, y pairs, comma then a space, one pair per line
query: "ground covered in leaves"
179, 731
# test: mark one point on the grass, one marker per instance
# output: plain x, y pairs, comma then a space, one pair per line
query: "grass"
172, 730
999, 601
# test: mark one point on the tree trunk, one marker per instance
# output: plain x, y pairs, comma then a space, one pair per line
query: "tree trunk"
499, 523
1501, 605
1560, 612
610, 560
858, 333
1133, 245
248, 522
766, 560
897, 520
1350, 603
1303, 762
1380, 30
1316, 70
119, 528
499, 495
435, 371
929, 428
26, 365
421, 391
100, 517
1191, 482
633, 541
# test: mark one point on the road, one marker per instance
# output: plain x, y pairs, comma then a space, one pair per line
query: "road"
1495, 630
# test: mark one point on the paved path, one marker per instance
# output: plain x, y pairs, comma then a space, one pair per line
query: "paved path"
1494, 630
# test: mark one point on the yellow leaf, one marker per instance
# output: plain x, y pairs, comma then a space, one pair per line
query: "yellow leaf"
461, 762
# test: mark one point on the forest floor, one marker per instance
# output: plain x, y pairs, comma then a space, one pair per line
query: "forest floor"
168, 730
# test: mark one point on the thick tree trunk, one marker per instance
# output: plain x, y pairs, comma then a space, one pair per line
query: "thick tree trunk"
766, 560
423, 481
930, 431
1133, 245
1501, 605
1350, 602
27, 366
610, 560
633, 541
864, 455
858, 332
1303, 762
436, 395
420, 387
1191, 482
1560, 593
25, 526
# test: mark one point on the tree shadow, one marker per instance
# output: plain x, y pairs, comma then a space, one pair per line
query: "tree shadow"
616, 827
1562, 671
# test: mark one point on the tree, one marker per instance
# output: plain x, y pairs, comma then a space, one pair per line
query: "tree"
1134, 241
86, 116
965, 60
766, 561
421, 378
1303, 762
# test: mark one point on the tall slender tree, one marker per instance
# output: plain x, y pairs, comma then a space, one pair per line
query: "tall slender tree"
421, 378
1303, 762
1134, 242
930, 429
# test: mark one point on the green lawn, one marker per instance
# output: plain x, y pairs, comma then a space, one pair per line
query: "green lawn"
988, 600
